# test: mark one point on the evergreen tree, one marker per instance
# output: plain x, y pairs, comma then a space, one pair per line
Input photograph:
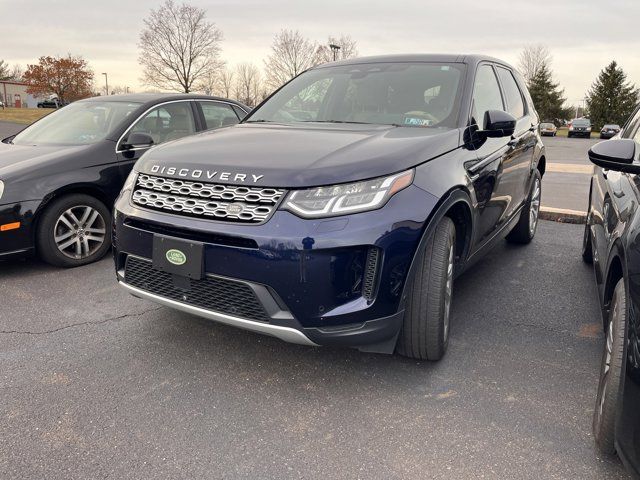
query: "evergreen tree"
611, 98
547, 96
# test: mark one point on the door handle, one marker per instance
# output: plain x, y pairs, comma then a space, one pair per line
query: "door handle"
532, 128
513, 142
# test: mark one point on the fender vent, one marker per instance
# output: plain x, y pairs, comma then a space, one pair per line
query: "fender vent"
371, 273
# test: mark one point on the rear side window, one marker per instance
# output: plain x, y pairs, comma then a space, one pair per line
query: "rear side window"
218, 115
486, 95
515, 105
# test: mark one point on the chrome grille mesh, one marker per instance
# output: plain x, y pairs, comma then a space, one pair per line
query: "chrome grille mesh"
233, 203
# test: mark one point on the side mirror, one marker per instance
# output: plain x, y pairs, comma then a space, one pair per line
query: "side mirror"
498, 123
617, 155
138, 140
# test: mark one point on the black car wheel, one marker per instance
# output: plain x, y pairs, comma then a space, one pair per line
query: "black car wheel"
587, 249
525, 229
74, 230
611, 373
425, 328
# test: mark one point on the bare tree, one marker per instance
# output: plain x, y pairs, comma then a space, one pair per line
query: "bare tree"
532, 59
208, 84
247, 85
178, 47
348, 49
291, 54
225, 82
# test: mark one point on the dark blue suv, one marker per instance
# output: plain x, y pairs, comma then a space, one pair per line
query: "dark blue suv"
341, 209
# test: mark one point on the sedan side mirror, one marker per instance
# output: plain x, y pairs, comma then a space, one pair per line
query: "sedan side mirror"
617, 155
138, 140
498, 123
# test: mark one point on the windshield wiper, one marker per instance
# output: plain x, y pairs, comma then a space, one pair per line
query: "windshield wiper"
261, 120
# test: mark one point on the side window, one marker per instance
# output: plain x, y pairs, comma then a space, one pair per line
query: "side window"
167, 122
239, 112
486, 95
218, 115
512, 94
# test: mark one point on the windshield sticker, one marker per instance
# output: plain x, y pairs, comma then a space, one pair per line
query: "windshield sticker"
417, 122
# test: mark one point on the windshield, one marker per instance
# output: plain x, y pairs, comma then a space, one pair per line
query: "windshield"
581, 122
546, 125
401, 94
611, 126
80, 123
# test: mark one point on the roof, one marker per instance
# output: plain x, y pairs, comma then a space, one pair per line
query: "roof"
153, 97
470, 59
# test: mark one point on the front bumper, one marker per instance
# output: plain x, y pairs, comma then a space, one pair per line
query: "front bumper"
316, 271
17, 241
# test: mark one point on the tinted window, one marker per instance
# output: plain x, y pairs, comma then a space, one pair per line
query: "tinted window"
512, 93
402, 94
167, 122
218, 115
239, 112
486, 95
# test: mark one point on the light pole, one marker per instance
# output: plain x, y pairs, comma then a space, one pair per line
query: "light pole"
106, 83
334, 48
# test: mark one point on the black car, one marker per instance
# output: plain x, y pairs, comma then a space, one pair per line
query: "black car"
609, 131
60, 176
339, 211
612, 243
579, 127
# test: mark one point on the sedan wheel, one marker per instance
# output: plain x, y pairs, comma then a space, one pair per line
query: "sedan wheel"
74, 230
80, 231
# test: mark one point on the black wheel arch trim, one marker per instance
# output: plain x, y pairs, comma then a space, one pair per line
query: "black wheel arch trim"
456, 196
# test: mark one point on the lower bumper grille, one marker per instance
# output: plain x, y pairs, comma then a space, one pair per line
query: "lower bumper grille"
211, 293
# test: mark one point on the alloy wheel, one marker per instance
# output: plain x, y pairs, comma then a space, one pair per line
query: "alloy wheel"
534, 209
79, 232
448, 290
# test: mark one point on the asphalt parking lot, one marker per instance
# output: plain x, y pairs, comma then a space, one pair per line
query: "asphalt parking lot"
95, 383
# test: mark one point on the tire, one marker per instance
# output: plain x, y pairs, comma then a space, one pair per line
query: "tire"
525, 229
587, 248
74, 230
611, 373
568, 135
425, 329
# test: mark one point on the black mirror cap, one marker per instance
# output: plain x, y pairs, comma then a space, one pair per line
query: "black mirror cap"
498, 123
138, 140
617, 155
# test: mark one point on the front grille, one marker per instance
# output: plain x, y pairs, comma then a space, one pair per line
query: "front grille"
370, 273
215, 294
230, 203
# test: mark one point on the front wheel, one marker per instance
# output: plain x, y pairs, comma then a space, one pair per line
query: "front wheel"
525, 229
425, 328
611, 373
74, 230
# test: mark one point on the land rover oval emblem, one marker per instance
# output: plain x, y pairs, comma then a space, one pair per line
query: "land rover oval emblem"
235, 209
176, 257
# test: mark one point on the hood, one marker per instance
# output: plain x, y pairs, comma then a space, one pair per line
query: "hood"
293, 156
16, 160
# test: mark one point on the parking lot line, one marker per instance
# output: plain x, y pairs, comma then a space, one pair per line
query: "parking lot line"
569, 168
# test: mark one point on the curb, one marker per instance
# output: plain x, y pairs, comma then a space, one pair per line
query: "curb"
562, 215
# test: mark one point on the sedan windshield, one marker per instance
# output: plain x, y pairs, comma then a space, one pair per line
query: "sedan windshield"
400, 94
80, 123
579, 122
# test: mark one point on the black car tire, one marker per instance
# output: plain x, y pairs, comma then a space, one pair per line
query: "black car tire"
611, 373
587, 249
568, 135
525, 229
425, 329
50, 222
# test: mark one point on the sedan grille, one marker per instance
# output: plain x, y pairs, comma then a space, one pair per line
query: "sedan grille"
216, 294
230, 203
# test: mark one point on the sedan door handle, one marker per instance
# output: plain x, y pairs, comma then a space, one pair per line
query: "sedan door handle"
513, 142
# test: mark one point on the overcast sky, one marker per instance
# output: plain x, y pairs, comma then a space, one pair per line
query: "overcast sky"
583, 35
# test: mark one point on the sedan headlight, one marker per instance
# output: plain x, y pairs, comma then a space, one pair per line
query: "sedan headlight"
1, 189
346, 198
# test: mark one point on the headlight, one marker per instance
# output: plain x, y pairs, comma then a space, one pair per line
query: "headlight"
1, 188
346, 198
130, 181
